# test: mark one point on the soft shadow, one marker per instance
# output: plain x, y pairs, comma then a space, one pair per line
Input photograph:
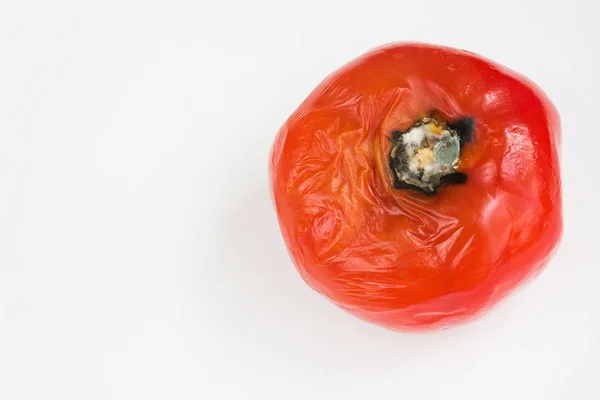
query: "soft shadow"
282, 315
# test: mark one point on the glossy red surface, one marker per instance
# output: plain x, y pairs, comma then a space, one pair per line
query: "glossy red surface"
400, 258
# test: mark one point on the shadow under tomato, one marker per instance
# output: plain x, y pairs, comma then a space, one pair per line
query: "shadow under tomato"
277, 312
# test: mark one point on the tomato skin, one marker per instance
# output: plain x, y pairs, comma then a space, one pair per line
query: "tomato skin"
400, 258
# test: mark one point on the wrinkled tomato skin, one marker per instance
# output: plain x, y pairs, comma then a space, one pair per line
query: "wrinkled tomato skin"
403, 259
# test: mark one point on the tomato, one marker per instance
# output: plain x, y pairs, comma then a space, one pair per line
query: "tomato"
419, 185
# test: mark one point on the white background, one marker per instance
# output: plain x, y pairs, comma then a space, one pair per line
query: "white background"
140, 257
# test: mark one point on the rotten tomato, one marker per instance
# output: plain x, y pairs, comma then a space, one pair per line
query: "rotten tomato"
418, 185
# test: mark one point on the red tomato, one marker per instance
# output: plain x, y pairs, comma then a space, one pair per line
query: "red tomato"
418, 185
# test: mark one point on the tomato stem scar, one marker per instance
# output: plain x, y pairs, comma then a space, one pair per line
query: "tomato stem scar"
427, 155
